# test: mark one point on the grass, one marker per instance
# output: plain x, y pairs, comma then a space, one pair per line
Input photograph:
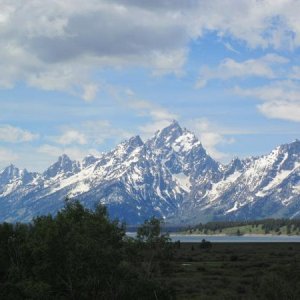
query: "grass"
237, 271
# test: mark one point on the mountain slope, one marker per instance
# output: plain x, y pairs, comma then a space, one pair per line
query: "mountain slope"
262, 187
169, 176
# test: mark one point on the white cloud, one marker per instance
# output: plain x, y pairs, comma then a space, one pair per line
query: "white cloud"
147, 108
71, 78
13, 134
295, 73
90, 91
229, 47
7, 157
149, 129
229, 68
281, 99
73, 152
160, 117
201, 83
70, 137
170, 62
98, 131
210, 141
58, 45
89, 133
211, 136
281, 110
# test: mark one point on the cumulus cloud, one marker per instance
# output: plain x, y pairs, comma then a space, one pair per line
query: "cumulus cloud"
160, 117
70, 137
295, 73
169, 62
90, 91
13, 134
281, 110
280, 99
147, 108
89, 133
59, 44
212, 136
149, 129
73, 152
7, 157
229, 68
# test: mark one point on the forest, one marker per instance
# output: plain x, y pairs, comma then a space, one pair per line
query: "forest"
265, 226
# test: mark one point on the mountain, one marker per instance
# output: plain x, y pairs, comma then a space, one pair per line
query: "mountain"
169, 176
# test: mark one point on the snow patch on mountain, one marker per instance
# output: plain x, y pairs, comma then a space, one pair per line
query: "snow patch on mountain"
183, 181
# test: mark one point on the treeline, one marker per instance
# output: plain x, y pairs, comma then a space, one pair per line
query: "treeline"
81, 254
268, 225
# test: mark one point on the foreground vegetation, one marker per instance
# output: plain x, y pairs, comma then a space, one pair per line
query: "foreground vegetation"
252, 271
81, 254
267, 226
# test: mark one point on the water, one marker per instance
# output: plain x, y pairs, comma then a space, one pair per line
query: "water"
186, 238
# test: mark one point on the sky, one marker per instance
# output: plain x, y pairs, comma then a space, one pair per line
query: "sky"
79, 77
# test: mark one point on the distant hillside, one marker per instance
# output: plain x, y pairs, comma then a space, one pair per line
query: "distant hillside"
268, 226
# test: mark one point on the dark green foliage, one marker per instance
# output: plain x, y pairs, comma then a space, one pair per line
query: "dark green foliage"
156, 248
252, 271
79, 254
276, 287
205, 244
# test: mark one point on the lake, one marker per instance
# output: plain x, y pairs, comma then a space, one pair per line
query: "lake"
186, 238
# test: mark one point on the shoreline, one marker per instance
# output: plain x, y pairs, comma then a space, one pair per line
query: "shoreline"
246, 235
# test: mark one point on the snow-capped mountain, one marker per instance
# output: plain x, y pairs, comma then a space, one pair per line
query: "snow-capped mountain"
169, 176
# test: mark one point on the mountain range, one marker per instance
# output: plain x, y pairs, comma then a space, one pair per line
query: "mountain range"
170, 176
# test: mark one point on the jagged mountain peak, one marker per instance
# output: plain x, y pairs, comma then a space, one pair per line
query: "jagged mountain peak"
166, 136
135, 141
235, 165
13, 174
64, 165
186, 141
89, 160
64, 158
175, 137
127, 146
292, 148
10, 169
9, 173
172, 130
283, 157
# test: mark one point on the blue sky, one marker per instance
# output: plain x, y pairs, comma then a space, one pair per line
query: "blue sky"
78, 78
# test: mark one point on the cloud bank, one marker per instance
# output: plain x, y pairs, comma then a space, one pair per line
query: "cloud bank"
57, 45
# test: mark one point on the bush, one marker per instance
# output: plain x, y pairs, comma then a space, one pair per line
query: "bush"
205, 244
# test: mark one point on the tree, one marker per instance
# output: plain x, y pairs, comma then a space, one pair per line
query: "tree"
156, 247
205, 244
78, 254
